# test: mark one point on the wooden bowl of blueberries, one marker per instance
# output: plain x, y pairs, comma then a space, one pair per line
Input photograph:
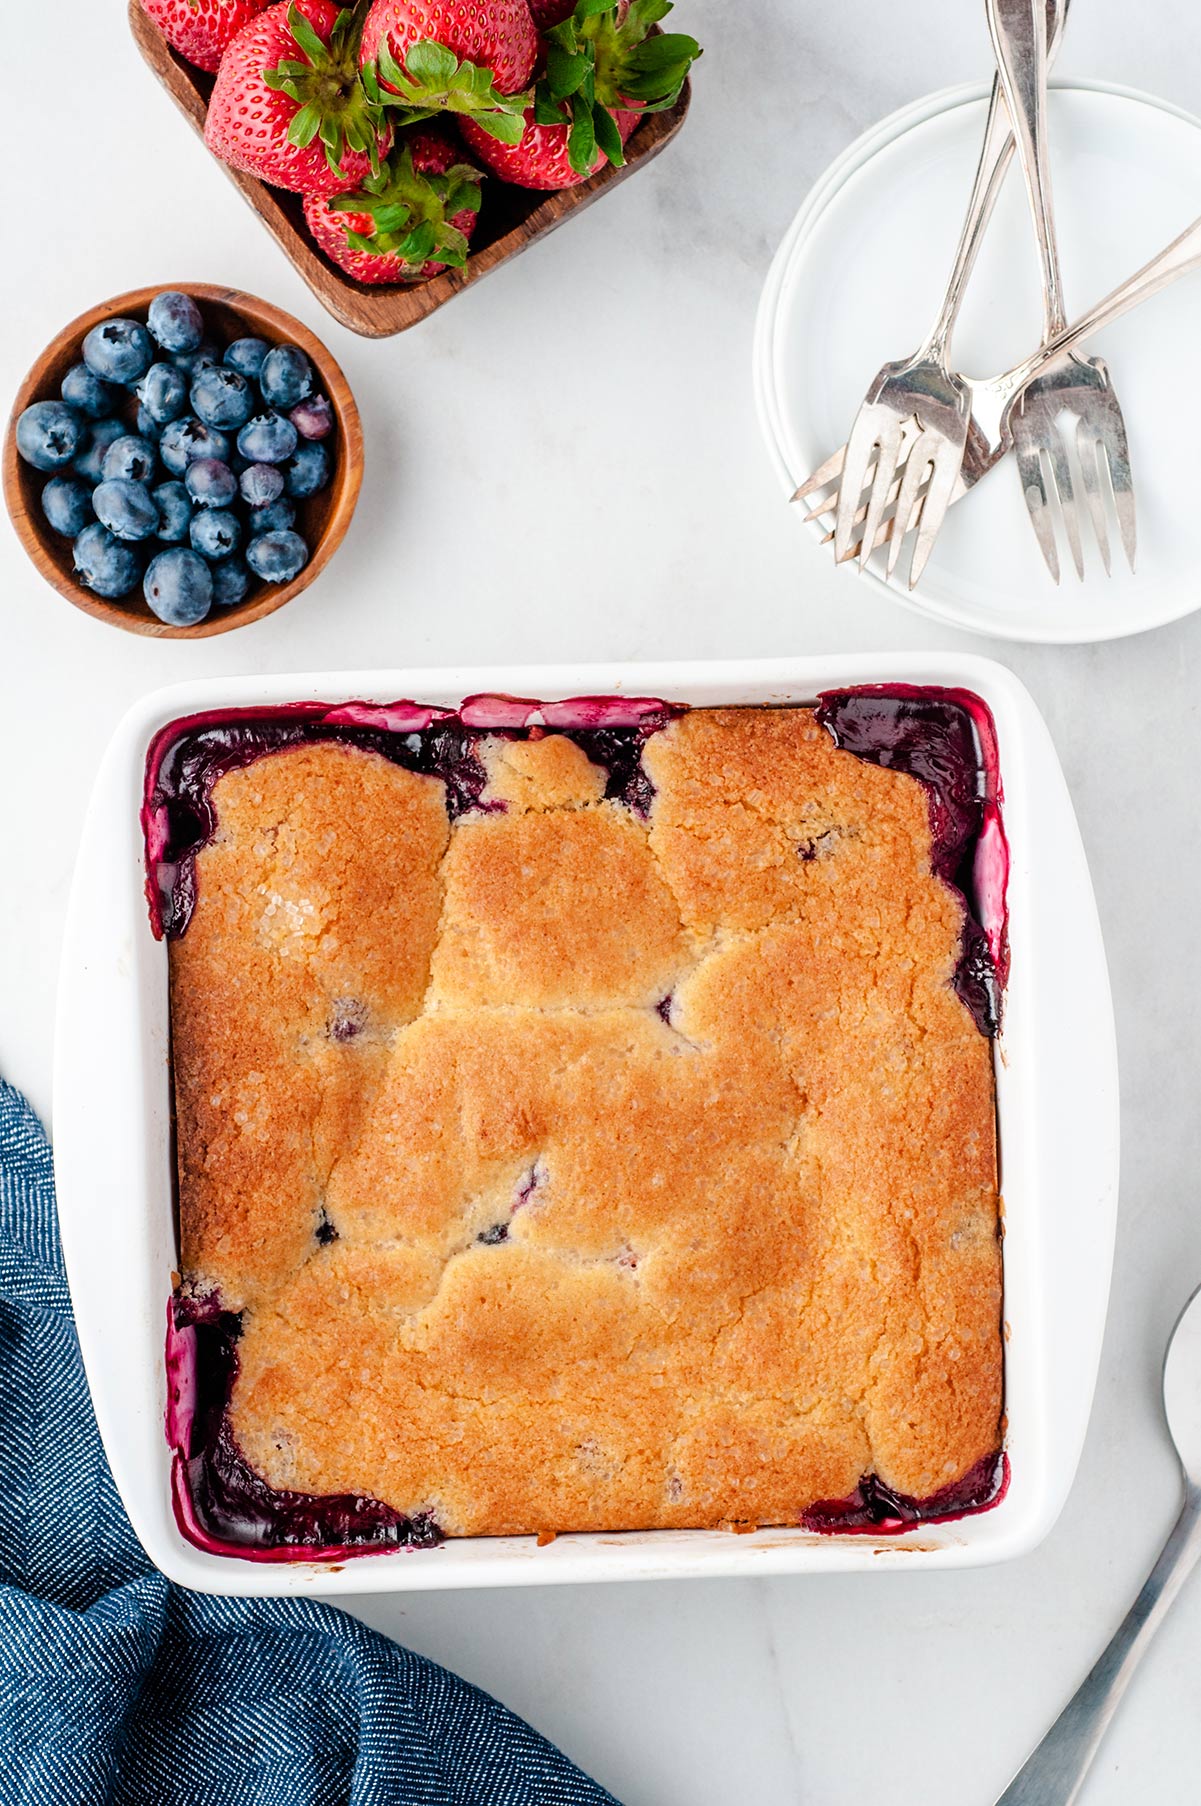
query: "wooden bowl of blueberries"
182, 461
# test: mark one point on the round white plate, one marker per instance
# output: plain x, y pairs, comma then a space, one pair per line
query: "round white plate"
859, 278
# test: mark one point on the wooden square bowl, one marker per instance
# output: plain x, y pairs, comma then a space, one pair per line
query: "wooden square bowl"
510, 220
322, 519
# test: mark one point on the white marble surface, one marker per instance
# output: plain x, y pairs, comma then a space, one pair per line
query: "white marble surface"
565, 463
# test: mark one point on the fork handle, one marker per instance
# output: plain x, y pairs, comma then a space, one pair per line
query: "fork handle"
1055, 1773
1019, 35
995, 158
1176, 260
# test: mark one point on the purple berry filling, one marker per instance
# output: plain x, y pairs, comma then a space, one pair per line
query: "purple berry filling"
874, 1509
220, 1502
944, 738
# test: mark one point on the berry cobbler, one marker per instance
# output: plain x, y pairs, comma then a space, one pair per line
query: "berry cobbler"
585, 1120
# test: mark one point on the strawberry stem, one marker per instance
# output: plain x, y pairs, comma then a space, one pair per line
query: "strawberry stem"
433, 80
333, 103
606, 57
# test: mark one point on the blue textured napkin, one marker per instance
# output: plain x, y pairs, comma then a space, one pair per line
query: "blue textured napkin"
117, 1687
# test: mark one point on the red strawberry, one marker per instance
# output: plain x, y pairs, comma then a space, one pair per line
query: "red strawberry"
542, 158
408, 222
497, 35
200, 29
288, 104
604, 70
546, 13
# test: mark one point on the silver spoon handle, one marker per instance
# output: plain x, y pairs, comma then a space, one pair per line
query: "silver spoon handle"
1018, 30
995, 157
1055, 1773
1181, 256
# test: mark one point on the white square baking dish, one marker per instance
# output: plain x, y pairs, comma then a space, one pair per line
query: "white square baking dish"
1057, 1097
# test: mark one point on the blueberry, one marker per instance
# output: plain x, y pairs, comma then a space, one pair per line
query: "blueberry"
118, 350
231, 580
286, 376
129, 456
103, 564
147, 426
221, 397
187, 439
175, 321
246, 357
267, 439
277, 557
90, 463
210, 483
261, 484
163, 392
90, 393
192, 361
126, 508
276, 517
49, 434
178, 587
67, 505
215, 532
174, 506
313, 418
308, 470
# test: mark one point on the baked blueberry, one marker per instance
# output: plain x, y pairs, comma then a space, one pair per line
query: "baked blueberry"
261, 484
129, 456
89, 464
307, 470
286, 376
231, 581
119, 351
175, 321
67, 505
277, 557
163, 393
220, 397
268, 439
178, 587
174, 506
50, 434
105, 564
246, 357
312, 418
210, 483
215, 532
89, 393
126, 508
185, 440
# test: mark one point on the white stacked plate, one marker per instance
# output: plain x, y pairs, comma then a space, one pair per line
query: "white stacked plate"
858, 281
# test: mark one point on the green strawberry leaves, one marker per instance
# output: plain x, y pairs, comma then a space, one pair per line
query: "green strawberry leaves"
433, 80
411, 212
333, 104
605, 57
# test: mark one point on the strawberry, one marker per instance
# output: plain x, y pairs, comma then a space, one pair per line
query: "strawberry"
542, 157
406, 223
604, 70
289, 104
546, 13
200, 29
473, 57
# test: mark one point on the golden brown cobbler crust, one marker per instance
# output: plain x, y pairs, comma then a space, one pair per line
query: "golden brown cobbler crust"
750, 1254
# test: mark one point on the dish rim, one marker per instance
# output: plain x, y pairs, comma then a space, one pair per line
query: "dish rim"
1057, 1126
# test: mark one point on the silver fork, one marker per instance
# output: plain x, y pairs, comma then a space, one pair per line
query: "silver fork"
915, 417
1076, 386
994, 402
